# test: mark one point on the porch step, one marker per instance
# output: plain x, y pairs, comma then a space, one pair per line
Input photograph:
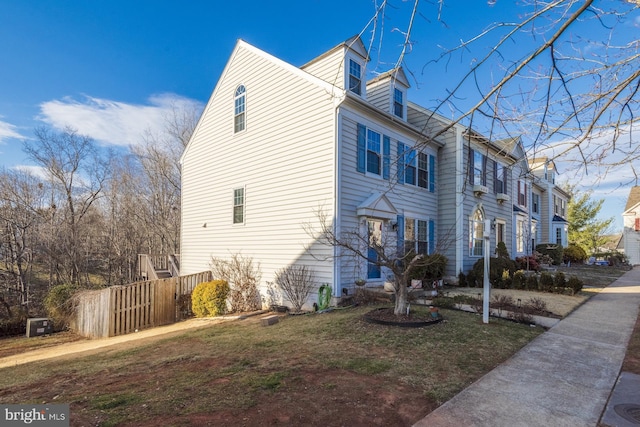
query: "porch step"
163, 274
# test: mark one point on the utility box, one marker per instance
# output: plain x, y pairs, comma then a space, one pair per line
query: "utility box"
39, 326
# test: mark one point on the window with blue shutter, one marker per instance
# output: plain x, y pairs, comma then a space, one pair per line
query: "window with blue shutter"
386, 156
362, 148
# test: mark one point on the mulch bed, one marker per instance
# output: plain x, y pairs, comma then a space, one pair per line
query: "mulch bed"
385, 316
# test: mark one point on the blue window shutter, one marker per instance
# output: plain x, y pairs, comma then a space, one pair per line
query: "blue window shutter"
432, 173
386, 156
400, 162
432, 236
400, 230
362, 148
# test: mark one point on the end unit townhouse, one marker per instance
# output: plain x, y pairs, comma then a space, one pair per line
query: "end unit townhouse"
280, 148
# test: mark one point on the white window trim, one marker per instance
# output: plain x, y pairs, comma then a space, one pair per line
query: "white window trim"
244, 112
244, 206
348, 77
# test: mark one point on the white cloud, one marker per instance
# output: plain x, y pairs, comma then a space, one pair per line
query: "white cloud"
112, 122
37, 171
7, 130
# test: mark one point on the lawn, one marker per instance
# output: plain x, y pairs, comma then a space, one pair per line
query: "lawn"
329, 369
322, 369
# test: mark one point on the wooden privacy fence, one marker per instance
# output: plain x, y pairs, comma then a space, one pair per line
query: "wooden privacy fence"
119, 310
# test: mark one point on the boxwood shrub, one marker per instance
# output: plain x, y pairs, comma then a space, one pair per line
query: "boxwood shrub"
210, 298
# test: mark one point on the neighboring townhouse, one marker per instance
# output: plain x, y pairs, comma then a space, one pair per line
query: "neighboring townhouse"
278, 148
551, 201
631, 223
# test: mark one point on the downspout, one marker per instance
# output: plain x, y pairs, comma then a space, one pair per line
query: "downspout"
460, 176
337, 194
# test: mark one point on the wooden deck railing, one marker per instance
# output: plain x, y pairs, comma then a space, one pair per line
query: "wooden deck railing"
119, 310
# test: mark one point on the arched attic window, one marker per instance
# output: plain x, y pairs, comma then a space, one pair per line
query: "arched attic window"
239, 109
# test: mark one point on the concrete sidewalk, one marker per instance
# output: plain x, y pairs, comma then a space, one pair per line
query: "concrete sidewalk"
562, 378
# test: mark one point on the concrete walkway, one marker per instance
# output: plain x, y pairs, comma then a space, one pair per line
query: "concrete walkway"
562, 378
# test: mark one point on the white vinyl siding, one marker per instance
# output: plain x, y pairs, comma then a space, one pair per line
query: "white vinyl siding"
356, 187
296, 140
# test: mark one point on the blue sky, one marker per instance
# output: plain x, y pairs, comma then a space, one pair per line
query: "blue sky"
111, 69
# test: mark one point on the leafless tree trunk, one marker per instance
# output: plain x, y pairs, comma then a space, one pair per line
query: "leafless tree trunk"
78, 173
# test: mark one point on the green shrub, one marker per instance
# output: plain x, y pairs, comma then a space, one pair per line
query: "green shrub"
546, 282
532, 282
210, 298
575, 253
552, 250
462, 279
519, 280
497, 267
59, 305
575, 284
432, 267
501, 251
559, 280
443, 302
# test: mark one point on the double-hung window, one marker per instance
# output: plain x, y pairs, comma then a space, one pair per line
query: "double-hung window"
410, 166
239, 109
423, 170
355, 77
477, 168
398, 104
521, 235
374, 162
500, 182
373, 152
522, 193
238, 206
419, 236
535, 203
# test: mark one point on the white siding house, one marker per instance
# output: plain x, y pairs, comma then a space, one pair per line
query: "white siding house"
280, 148
277, 147
631, 224
554, 201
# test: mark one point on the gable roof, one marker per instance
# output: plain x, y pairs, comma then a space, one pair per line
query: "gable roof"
243, 45
396, 74
377, 205
634, 198
353, 43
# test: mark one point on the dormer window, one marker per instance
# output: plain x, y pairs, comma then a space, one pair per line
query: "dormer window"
398, 104
355, 77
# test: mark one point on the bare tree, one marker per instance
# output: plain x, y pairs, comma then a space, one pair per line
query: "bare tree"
159, 155
78, 172
21, 203
564, 74
378, 250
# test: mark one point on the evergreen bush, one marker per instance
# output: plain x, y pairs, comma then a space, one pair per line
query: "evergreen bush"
552, 250
575, 284
532, 282
546, 282
210, 298
575, 253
